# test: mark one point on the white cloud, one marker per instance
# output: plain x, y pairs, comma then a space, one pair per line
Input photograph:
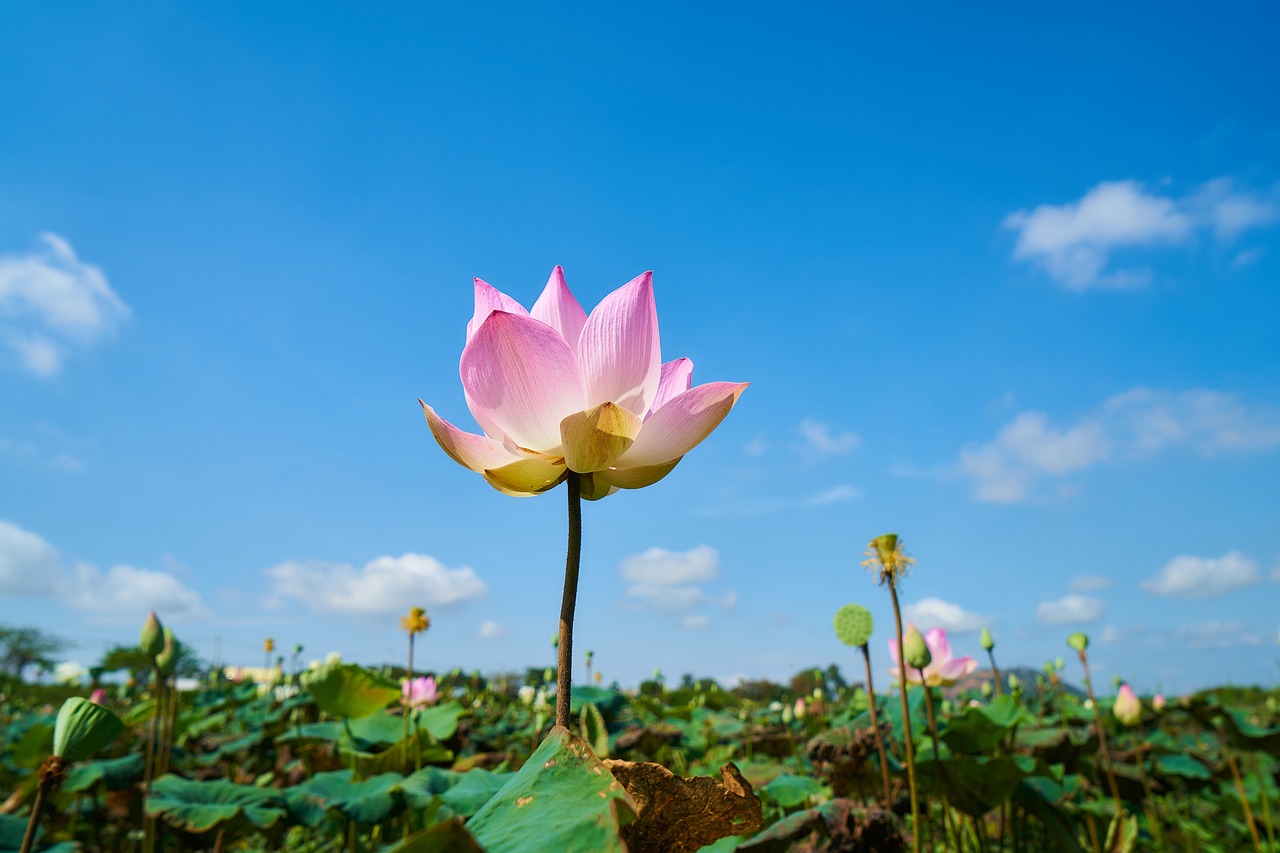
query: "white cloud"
126, 593
1135, 424
1110, 634
836, 494
935, 613
660, 566
28, 564
1071, 609
52, 303
1275, 572
756, 447
1215, 634
1204, 577
670, 582
490, 630
1073, 242
1090, 583
381, 587
820, 440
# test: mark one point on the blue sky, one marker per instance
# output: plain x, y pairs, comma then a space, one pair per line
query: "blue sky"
1003, 284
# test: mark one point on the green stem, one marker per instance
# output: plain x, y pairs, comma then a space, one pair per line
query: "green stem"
948, 836
1263, 782
569, 600
33, 823
1105, 751
875, 728
995, 671
906, 722
1153, 813
1244, 799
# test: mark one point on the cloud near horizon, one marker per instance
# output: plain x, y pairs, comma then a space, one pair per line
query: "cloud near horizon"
381, 587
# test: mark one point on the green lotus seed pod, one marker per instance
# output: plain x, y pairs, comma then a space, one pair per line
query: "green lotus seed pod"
151, 640
167, 660
915, 650
83, 728
987, 643
1078, 641
853, 625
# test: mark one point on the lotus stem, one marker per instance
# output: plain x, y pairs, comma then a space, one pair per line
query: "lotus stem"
1153, 813
33, 823
569, 600
1105, 750
995, 671
906, 720
948, 836
875, 728
1266, 801
1244, 800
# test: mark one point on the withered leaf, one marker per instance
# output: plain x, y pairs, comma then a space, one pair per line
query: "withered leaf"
681, 815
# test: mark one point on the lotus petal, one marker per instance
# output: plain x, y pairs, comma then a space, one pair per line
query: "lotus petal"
558, 309
488, 300
525, 477
521, 376
619, 349
476, 452
682, 424
637, 478
594, 439
675, 378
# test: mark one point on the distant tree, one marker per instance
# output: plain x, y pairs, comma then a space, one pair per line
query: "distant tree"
24, 647
760, 690
137, 663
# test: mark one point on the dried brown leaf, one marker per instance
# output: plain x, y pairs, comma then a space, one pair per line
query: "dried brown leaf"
682, 815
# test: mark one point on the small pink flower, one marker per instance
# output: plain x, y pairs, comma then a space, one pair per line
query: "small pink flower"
1158, 702
420, 691
1127, 708
98, 697
556, 390
943, 669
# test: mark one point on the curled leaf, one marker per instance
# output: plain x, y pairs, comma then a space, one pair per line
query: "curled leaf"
681, 815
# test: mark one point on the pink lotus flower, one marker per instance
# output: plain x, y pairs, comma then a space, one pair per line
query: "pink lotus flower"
556, 390
98, 697
1127, 708
943, 670
420, 691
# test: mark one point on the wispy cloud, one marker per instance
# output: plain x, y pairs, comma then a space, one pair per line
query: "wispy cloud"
834, 495
1073, 242
1204, 577
671, 582
1216, 634
491, 630
1071, 609
381, 587
936, 613
819, 440
1138, 423
1090, 583
51, 304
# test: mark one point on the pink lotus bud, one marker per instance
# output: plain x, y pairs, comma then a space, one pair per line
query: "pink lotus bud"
1127, 708
98, 697
1158, 702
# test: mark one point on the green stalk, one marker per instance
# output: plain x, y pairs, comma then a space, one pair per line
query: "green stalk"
995, 670
1105, 751
1244, 799
1153, 814
906, 721
569, 600
1266, 801
875, 728
948, 836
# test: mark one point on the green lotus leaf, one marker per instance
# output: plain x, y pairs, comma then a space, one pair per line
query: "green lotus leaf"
118, 774
1182, 765
853, 625
448, 836
441, 721
83, 728
977, 730
591, 727
213, 804
365, 801
976, 785
348, 690
420, 788
563, 798
789, 790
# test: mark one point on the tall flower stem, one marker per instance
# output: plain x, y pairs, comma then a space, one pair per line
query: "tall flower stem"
995, 670
51, 774
937, 760
906, 721
569, 600
1102, 735
1244, 799
1151, 807
875, 727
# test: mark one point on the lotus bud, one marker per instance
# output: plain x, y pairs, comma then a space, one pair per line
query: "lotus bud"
787, 714
1078, 641
598, 676
151, 640
83, 728
947, 707
1116, 681
985, 638
915, 650
99, 697
548, 675
526, 693
268, 645
657, 674
775, 706
1015, 683
297, 649
167, 660
590, 656
818, 694
1127, 708
800, 709
1158, 702
555, 641
1059, 664
987, 690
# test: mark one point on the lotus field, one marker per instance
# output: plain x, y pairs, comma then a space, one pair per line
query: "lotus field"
916, 750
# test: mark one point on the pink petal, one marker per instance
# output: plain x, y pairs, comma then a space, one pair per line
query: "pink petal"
521, 377
532, 475
957, 668
682, 423
675, 378
939, 645
619, 348
488, 300
558, 309
476, 452
893, 650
